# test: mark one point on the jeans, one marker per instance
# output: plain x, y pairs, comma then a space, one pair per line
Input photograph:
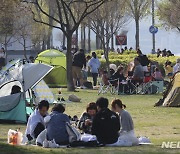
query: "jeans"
94, 76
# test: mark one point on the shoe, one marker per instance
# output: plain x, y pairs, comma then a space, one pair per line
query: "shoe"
83, 87
62, 99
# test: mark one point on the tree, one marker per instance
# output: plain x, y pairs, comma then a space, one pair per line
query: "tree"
65, 15
169, 13
138, 10
7, 20
107, 21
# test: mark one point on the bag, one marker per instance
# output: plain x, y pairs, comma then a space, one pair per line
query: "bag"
88, 85
74, 98
74, 135
14, 137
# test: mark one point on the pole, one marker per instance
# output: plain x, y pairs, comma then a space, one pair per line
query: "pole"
153, 24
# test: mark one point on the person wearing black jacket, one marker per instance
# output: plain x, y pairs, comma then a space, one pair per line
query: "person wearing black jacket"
143, 59
78, 62
106, 123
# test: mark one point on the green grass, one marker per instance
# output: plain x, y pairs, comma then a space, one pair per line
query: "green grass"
159, 124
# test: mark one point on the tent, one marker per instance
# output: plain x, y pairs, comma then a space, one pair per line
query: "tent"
171, 97
26, 76
57, 77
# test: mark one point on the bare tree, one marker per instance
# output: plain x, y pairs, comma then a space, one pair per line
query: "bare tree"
138, 10
65, 15
110, 13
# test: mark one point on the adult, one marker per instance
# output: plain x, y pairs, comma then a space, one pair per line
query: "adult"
56, 128
2, 57
86, 119
15, 89
138, 73
157, 75
94, 65
169, 69
144, 61
176, 67
85, 70
79, 61
126, 122
36, 123
106, 123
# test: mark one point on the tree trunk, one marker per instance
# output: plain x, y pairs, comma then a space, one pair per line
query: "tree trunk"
82, 36
97, 41
89, 39
77, 33
137, 33
64, 40
24, 46
84, 41
112, 38
70, 84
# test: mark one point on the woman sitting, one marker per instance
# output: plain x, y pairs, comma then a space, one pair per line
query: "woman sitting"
85, 122
126, 122
56, 128
157, 76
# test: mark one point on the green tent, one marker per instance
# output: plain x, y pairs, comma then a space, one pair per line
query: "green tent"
57, 77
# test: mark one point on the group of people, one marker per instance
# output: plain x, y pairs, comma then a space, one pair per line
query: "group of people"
106, 124
81, 65
164, 53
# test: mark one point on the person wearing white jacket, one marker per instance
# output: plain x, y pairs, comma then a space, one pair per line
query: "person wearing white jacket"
176, 67
94, 65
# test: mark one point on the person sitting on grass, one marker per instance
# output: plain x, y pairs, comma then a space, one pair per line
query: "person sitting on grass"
36, 123
56, 127
106, 123
126, 122
85, 122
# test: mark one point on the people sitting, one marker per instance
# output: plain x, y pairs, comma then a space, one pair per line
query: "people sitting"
126, 122
106, 123
176, 67
36, 123
15, 89
56, 127
138, 73
118, 76
157, 76
169, 69
86, 119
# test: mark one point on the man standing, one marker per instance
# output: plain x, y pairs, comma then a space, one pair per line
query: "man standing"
106, 123
79, 61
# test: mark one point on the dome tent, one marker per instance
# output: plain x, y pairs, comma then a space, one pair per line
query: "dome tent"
57, 77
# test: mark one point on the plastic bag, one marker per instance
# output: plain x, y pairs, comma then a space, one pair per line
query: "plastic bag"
14, 137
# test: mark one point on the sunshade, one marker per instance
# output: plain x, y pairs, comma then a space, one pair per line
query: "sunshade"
28, 74
51, 53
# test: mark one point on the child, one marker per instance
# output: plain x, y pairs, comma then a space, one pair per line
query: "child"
157, 75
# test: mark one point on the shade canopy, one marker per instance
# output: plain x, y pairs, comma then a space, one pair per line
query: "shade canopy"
28, 74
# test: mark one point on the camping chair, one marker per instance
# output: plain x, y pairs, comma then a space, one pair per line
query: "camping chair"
147, 85
106, 85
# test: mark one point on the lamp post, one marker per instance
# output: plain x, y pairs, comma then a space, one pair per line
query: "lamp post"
153, 24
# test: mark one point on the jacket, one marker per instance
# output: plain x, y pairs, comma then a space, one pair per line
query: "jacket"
106, 126
79, 60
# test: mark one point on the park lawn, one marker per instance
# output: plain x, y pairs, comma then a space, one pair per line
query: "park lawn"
159, 124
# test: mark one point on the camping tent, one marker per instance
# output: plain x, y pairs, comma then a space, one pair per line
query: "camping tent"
13, 106
57, 77
172, 95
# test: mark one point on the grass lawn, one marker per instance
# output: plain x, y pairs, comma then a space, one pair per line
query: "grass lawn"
159, 124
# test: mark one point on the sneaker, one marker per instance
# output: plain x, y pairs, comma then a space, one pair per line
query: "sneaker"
83, 87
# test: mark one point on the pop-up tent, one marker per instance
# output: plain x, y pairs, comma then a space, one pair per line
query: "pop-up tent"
171, 97
57, 77
13, 106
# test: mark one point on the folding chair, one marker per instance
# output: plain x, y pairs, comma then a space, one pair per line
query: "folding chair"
111, 86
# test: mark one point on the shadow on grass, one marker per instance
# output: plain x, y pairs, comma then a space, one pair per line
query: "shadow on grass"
150, 149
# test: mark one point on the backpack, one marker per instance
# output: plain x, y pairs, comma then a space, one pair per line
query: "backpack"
73, 133
88, 85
